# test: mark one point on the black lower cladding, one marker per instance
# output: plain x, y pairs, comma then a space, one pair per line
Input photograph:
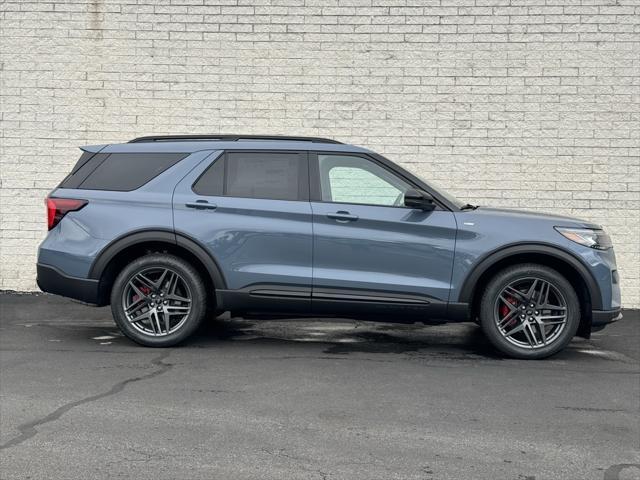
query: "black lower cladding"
384, 306
601, 318
87, 290
52, 280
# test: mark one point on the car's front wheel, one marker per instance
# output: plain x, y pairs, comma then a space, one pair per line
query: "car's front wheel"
529, 311
158, 300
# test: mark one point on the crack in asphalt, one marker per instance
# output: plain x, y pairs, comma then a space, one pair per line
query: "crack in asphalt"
28, 430
594, 409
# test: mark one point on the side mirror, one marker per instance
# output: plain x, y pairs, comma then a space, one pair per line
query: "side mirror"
420, 199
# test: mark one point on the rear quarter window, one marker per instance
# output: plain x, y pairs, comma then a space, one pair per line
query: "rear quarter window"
121, 172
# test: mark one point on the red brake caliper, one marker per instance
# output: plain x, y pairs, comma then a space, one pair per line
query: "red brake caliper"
144, 290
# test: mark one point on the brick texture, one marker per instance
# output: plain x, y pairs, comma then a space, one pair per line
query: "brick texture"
518, 103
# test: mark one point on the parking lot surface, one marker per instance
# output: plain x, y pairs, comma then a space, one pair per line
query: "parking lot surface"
308, 399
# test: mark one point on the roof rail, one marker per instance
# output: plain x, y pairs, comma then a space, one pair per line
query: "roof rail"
228, 138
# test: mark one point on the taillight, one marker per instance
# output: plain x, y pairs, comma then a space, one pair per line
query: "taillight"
59, 207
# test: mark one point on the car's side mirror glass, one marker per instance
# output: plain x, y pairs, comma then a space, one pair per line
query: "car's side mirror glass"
420, 199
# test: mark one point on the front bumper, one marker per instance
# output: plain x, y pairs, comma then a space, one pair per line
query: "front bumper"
601, 318
52, 280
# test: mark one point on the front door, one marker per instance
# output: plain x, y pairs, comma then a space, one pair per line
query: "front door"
371, 253
251, 211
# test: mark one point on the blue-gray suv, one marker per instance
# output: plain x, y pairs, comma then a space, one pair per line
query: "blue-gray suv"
171, 229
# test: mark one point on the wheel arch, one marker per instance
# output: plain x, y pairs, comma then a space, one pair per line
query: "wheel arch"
114, 256
564, 262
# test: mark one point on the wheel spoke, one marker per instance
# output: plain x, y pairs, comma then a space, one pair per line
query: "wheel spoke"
543, 298
178, 298
552, 307
144, 281
158, 283
171, 291
543, 333
140, 317
138, 292
136, 304
507, 318
172, 283
530, 333
532, 290
167, 321
511, 306
515, 293
176, 309
549, 323
155, 322
515, 330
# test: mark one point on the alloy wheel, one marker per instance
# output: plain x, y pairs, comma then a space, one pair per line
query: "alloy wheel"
530, 313
156, 301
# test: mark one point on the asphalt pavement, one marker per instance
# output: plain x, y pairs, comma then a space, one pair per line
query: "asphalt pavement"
308, 399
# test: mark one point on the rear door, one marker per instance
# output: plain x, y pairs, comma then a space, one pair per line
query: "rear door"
251, 210
371, 253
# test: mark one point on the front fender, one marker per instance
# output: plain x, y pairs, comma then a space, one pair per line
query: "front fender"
485, 262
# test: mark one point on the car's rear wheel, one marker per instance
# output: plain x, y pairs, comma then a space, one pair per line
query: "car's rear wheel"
529, 311
158, 300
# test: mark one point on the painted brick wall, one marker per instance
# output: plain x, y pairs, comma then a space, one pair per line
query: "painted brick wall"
516, 103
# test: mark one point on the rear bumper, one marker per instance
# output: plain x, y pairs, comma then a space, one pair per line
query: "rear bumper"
52, 280
601, 318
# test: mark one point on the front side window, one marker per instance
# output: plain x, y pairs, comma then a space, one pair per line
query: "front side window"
351, 179
267, 175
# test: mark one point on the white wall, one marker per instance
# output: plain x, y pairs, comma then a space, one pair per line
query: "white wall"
521, 103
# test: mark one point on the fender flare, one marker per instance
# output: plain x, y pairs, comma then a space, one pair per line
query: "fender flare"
469, 284
158, 235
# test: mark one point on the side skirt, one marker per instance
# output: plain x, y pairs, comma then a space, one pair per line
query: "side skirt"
273, 301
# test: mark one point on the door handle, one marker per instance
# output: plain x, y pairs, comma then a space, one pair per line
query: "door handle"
201, 205
342, 216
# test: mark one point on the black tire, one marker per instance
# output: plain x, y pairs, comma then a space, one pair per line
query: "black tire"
491, 303
187, 324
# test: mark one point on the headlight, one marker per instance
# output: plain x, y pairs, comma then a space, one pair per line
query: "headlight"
585, 236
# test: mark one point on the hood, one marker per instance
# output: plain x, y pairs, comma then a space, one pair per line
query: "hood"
557, 220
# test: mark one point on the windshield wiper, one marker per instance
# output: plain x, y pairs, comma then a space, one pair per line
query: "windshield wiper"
468, 206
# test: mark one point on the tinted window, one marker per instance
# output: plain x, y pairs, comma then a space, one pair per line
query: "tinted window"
267, 175
120, 171
349, 179
211, 182
84, 158
83, 169
263, 175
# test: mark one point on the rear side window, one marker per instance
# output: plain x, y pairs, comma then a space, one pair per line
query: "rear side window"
119, 171
268, 175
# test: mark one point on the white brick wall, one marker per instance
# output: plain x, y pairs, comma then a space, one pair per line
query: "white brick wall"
516, 103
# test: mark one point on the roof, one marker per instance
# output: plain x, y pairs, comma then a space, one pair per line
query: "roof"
186, 146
